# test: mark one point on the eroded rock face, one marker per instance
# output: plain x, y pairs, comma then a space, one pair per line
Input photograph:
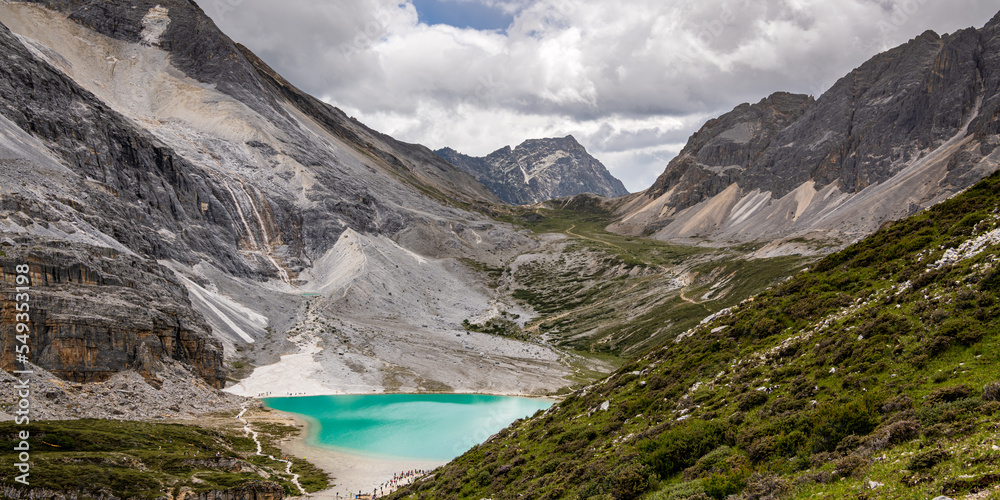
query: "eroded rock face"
95, 312
136, 184
539, 170
137, 134
258, 490
726, 147
907, 129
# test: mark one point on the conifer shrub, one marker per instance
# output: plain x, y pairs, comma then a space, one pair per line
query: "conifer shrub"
751, 400
832, 422
682, 446
991, 283
720, 486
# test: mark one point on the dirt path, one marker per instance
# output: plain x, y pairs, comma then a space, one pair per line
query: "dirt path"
569, 232
253, 435
689, 300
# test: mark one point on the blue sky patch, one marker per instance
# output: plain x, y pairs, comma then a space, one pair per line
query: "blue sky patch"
467, 14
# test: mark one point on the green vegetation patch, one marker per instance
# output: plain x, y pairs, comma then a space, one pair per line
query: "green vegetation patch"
871, 376
145, 460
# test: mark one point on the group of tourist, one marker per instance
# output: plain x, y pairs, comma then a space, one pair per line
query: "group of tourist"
399, 479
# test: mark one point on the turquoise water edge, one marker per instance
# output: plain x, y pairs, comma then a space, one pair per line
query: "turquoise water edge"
419, 426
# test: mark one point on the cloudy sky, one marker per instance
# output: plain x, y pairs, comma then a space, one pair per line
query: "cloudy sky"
630, 80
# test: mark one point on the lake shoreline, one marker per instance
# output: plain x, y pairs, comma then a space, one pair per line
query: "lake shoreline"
394, 434
305, 394
350, 472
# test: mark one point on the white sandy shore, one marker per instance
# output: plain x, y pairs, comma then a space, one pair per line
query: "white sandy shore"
351, 472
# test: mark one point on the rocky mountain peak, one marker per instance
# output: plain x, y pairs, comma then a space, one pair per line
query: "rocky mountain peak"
502, 152
193, 166
929, 35
910, 127
538, 170
731, 143
995, 22
568, 143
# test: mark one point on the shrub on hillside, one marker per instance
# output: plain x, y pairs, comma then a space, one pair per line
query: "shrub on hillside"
751, 400
925, 279
682, 446
949, 394
991, 392
657, 382
962, 410
850, 465
832, 422
884, 326
690, 490
630, 481
761, 449
965, 330
764, 487
896, 404
720, 486
849, 444
893, 434
763, 327
937, 345
927, 459
991, 283
715, 462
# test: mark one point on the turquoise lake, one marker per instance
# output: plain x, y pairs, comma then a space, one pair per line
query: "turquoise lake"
421, 426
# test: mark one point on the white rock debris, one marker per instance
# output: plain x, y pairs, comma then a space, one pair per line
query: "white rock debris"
968, 249
154, 23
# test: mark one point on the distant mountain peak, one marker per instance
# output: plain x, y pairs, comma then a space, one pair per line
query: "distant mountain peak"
908, 128
994, 22
175, 209
538, 170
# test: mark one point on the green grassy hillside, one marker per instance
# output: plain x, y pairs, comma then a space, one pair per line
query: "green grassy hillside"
600, 292
873, 375
141, 460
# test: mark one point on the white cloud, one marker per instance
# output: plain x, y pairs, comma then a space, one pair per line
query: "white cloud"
630, 81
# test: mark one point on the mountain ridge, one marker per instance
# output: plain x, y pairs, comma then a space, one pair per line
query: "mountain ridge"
869, 374
538, 170
906, 129
187, 213
235, 185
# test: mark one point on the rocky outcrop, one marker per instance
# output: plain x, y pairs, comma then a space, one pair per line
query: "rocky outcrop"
46, 494
257, 490
175, 392
96, 312
138, 185
725, 147
907, 129
539, 170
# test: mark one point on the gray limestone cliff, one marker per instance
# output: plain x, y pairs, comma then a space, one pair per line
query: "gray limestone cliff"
96, 312
539, 170
146, 159
907, 129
